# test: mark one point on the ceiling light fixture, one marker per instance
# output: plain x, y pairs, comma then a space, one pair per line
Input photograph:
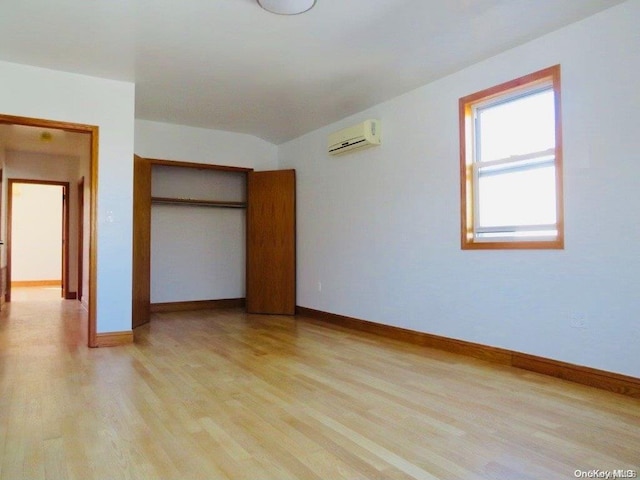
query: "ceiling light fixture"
46, 136
287, 7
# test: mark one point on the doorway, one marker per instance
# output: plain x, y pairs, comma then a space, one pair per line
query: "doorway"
89, 247
38, 235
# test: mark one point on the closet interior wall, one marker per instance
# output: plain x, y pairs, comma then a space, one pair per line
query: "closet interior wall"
198, 230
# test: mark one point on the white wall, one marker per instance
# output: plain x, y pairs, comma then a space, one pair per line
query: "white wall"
198, 253
200, 145
48, 94
36, 232
380, 228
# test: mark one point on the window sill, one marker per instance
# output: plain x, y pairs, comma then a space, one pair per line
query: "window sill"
557, 244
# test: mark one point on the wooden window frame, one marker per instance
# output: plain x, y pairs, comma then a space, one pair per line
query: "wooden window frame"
469, 241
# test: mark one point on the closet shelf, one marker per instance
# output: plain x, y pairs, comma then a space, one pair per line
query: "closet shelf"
198, 203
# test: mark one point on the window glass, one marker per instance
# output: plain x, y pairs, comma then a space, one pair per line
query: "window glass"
516, 127
518, 197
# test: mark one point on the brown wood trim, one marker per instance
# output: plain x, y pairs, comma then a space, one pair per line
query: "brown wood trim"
1, 222
36, 283
559, 155
141, 264
7, 244
3, 285
93, 186
93, 240
602, 379
198, 305
43, 123
80, 248
114, 339
66, 206
539, 77
592, 377
466, 202
557, 244
203, 166
70, 296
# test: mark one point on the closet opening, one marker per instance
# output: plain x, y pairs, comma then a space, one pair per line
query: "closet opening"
210, 236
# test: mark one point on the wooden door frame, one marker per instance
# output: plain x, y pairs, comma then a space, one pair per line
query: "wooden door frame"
93, 131
3, 270
66, 294
80, 216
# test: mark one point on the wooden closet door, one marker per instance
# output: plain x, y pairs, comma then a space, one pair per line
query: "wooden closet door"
141, 242
271, 242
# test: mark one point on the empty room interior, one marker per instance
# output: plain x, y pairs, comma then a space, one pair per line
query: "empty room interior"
309, 239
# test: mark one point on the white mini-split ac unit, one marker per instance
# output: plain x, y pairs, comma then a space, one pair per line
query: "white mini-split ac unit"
362, 135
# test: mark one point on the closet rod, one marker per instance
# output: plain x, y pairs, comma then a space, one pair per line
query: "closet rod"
198, 203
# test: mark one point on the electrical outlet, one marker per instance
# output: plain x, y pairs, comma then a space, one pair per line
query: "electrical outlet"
578, 320
319, 286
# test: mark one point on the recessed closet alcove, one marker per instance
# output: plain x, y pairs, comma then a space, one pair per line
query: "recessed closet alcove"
209, 236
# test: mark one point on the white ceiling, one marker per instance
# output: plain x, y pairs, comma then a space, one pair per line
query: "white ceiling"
229, 65
22, 138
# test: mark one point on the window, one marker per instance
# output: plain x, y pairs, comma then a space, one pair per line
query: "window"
511, 164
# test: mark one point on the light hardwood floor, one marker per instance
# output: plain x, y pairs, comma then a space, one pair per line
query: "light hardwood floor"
226, 395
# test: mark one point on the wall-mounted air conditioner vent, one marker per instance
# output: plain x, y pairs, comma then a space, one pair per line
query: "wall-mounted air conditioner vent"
362, 135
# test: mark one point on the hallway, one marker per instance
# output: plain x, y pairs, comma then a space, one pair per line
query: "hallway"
37, 317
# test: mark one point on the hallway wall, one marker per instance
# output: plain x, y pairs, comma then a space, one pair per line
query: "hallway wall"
36, 232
